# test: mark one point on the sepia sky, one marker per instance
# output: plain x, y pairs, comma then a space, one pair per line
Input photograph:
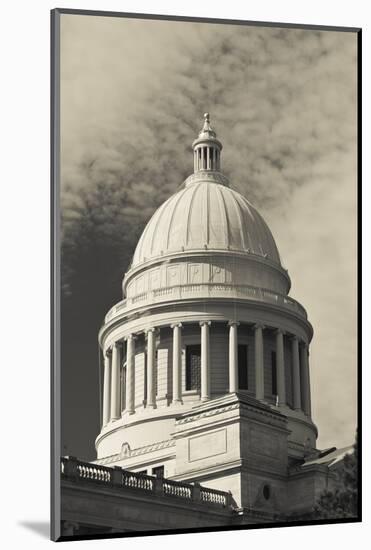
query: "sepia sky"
283, 103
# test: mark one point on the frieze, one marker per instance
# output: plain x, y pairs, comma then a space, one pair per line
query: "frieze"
242, 406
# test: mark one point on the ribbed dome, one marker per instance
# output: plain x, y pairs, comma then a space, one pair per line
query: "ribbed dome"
205, 215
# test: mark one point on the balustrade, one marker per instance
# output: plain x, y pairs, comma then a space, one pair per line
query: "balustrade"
75, 470
208, 289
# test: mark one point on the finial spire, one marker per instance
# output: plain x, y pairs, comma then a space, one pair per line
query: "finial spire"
207, 131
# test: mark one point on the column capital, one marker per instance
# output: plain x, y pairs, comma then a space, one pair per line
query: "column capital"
107, 352
117, 344
202, 323
130, 337
280, 331
259, 325
233, 323
151, 329
174, 325
294, 338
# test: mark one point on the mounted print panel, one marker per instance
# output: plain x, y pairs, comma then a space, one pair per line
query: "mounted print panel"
205, 238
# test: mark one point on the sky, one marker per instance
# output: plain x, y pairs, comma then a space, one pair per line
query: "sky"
283, 102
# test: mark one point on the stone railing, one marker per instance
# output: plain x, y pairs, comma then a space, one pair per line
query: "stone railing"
177, 489
206, 290
213, 496
76, 470
71, 467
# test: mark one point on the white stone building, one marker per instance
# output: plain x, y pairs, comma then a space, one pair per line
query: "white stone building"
206, 371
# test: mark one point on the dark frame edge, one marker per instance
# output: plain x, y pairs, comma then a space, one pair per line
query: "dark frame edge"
55, 386
359, 267
196, 19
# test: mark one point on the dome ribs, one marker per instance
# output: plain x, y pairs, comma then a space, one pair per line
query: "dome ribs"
242, 208
138, 256
161, 212
223, 211
242, 227
177, 200
209, 215
190, 211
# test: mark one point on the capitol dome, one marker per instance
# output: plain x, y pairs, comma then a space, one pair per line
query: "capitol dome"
205, 316
206, 234
206, 215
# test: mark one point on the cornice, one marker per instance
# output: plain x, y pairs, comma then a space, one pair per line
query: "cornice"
240, 404
174, 304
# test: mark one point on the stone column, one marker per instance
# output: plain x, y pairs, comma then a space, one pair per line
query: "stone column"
115, 382
202, 158
259, 362
106, 390
177, 363
130, 373
305, 379
233, 357
280, 365
151, 357
295, 373
205, 360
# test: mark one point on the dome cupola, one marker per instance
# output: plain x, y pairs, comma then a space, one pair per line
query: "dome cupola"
207, 148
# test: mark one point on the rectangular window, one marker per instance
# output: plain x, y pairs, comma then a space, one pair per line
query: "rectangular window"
243, 381
159, 471
193, 367
274, 373
145, 376
156, 372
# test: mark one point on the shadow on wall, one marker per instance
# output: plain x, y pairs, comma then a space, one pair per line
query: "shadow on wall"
41, 528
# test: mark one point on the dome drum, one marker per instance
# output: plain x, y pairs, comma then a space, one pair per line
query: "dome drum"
191, 383
215, 268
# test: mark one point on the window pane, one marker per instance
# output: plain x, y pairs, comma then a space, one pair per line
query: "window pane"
274, 373
242, 367
193, 367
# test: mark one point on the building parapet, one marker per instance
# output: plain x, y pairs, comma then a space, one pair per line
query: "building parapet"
209, 290
76, 470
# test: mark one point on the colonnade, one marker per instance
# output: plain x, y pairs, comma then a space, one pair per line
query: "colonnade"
113, 358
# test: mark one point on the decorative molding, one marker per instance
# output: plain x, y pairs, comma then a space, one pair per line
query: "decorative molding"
126, 452
156, 310
209, 175
234, 406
